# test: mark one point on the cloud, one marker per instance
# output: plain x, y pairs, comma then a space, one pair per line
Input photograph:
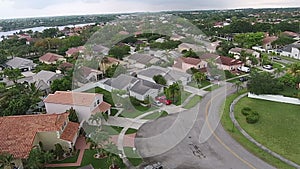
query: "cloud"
30, 8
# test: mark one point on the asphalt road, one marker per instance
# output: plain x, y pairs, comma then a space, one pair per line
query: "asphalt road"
185, 140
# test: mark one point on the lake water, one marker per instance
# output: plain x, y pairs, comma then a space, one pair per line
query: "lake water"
41, 28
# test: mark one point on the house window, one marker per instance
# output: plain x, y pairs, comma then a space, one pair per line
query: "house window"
98, 101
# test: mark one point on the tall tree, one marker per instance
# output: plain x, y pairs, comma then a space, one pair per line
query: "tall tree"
199, 77
159, 79
12, 74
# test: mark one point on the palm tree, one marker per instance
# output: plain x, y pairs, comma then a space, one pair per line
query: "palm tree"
47, 157
113, 151
104, 61
238, 85
96, 118
6, 160
198, 77
100, 138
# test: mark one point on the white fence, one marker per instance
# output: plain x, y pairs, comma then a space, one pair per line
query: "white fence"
275, 98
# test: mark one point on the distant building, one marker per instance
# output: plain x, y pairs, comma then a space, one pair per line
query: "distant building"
138, 60
183, 64
237, 52
21, 63
51, 58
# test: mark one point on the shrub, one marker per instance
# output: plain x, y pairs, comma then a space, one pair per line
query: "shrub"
252, 118
246, 111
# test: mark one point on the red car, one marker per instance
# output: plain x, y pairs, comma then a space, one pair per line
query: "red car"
164, 100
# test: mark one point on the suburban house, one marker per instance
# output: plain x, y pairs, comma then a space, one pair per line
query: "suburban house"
51, 58
222, 62
73, 51
109, 61
143, 89
100, 49
19, 134
138, 60
122, 82
171, 75
237, 52
87, 74
293, 35
85, 104
21, 63
212, 47
136, 87
65, 66
292, 50
187, 46
42, 80
183, 64
267, 42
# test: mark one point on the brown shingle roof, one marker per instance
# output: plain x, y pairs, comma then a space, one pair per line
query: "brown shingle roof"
269, 39
71, 98
229, 61
50, 57
70, 131
18, 132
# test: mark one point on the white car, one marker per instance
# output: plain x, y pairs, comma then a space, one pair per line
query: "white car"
158, 103
269, 67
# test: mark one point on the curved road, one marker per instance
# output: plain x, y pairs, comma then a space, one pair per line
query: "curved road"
194, 139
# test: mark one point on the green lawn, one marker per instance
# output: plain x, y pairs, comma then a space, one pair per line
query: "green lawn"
194, 101
213, 87
155, 115
106, 94
228, 125
88, 158
135, 113
132, 156
113, 112
278, 127
184, 96
204, 83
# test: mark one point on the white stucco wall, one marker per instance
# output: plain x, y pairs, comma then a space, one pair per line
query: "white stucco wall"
276, 98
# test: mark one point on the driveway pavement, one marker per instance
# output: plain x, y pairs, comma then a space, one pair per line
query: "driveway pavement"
194, 139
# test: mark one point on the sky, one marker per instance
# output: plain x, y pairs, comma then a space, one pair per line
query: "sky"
40, 8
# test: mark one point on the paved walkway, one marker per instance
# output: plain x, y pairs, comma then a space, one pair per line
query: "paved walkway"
194, 90
80, 145
251, 139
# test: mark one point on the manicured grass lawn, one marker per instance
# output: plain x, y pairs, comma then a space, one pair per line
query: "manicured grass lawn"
184, 96
72, 159
204, 83
229, 127
135, 113
278, 127
155, 115
132, 156
106, 94
194, 101
213, 87
88, 158
113, 112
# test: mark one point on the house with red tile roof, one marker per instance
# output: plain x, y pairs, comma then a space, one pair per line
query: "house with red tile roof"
222, 62
19, 134
185, 63
51, 58
85, 104
75, 50
267, 42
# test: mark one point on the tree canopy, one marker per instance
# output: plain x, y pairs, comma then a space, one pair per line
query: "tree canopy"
159, 79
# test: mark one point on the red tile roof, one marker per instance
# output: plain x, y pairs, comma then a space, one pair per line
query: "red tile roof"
103, 107
72, 51
229, 61
70, 131
18, 132
269, 39
71, 98
50, 57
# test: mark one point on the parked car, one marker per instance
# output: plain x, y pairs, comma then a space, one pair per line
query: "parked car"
244, 69
268, 67
164, 100
243, 79
157, 103
154, 166
276, 58
209, 78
